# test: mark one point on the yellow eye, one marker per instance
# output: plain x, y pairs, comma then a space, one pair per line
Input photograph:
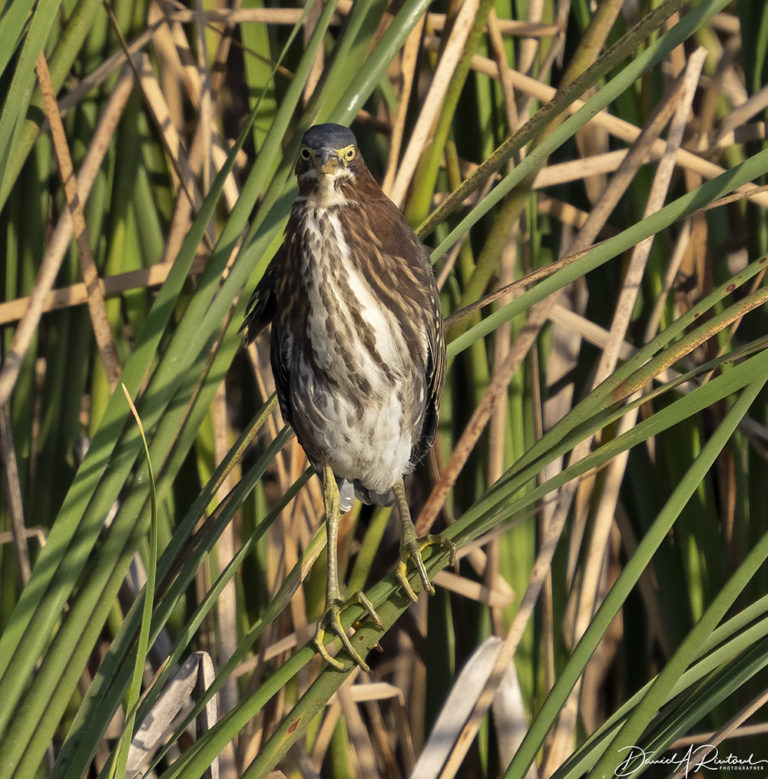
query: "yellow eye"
305, 154
349, 154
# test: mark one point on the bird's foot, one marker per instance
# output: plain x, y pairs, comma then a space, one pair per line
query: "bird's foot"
411, 549
331, 621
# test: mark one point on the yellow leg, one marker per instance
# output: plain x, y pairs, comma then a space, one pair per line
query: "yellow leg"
331, 619
411, 546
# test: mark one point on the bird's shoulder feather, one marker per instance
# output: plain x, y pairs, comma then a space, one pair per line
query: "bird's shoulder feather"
262, 306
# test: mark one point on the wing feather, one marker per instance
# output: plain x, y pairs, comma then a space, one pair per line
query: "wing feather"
262, 306
402, 244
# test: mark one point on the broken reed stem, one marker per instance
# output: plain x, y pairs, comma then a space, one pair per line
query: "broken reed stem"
62, 235
94, 287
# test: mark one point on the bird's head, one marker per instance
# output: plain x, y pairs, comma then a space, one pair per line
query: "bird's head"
327, 157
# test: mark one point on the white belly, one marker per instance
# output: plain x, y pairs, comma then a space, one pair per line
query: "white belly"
370, 444
353, 398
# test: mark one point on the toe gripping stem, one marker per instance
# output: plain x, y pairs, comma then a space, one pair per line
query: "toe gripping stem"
331, 621
411, 550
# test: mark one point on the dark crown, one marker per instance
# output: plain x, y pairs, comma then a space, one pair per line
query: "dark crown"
333, 136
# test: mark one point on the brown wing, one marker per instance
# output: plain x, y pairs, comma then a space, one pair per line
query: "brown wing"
420, 297
280, 361
435, 368
262, 311
262, 306
435, 380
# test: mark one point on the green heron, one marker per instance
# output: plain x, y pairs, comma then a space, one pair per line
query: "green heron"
357, 347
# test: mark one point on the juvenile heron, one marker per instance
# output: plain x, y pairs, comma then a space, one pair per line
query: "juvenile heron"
357, 348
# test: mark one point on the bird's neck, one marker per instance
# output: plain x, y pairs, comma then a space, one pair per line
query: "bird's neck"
325, 192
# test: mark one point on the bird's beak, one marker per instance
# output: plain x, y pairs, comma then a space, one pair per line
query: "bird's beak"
327, 161
330, 166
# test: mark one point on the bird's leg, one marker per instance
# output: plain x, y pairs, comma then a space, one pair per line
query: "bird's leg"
331, 619
411, 546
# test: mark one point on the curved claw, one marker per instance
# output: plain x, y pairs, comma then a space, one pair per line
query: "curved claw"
363, 601
412, 550
331, 621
